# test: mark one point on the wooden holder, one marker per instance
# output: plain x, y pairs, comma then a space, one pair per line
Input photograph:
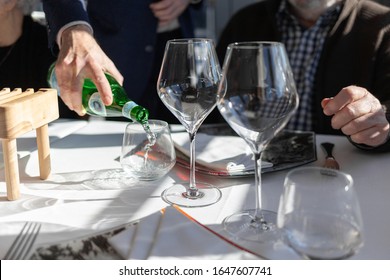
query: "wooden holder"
21, 112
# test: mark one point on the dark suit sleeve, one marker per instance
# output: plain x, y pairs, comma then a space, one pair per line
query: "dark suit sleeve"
61, 12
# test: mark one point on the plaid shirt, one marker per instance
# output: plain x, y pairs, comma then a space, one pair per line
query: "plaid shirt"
304, 48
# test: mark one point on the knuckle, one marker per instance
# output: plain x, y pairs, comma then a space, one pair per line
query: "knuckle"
350, 110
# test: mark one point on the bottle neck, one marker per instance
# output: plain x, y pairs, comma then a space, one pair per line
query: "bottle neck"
135, 112
127, 110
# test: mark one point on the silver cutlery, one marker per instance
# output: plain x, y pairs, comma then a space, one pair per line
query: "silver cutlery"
330, 161
23, 243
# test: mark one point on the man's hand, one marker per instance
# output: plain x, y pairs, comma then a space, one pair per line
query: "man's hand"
167, 10
358, 114
81, 57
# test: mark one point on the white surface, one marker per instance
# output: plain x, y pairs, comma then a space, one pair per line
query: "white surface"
78, 199
58, 129
170, 234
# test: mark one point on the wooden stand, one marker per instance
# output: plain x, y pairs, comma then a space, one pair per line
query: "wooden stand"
21, 112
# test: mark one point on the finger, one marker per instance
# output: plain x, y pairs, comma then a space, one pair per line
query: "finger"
357, 109
72, 99
166, 10
367, 108
76, 103
66, 77
99, 79
325, 101
362, 123
110, 68
373, 136
70, 93
343, 98
160, 5
166, 15
75, 96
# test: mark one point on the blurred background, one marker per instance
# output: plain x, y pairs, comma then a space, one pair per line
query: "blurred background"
212, 19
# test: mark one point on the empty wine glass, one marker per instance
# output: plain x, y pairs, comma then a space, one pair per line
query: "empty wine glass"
319, 213
147, 157
260, 98
189, 78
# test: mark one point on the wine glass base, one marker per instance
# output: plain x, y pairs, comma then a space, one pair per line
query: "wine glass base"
245, 225
205, 195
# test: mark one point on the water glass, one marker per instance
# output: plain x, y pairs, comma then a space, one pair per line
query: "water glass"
319, 213
146, 159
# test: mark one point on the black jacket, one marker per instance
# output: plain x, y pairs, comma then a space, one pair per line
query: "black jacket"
356, 51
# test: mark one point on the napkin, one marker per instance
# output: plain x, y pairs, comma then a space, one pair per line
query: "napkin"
171, 233
136, 241
229, 154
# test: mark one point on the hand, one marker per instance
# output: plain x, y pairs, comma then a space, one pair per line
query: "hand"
167, 10
81, 57
358, 114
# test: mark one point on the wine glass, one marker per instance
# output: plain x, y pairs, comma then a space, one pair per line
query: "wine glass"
145, 156
188, 82
260, 98
319, 213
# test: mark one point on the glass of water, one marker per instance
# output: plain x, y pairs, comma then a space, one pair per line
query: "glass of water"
319, 213
147, 156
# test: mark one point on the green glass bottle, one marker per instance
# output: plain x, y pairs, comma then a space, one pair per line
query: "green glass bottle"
92, 103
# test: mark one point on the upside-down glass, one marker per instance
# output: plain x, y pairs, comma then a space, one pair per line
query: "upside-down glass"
144, 157
260, 98
189, 78
319, 213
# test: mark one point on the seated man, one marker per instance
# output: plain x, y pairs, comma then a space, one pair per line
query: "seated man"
339, 51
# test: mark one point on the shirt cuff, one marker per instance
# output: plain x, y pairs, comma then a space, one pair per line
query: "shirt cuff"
70, 24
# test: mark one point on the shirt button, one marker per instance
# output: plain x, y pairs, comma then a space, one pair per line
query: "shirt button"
149, 48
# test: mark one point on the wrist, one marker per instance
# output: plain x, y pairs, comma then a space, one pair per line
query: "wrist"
70, 28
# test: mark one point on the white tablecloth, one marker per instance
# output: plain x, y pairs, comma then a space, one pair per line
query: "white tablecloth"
76, 201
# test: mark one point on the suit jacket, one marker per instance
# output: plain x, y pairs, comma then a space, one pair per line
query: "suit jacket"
356, 50
126, 31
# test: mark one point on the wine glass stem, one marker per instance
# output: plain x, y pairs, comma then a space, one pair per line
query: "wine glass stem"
258, 214
192, 189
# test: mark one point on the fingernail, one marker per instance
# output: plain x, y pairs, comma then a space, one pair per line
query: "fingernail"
109, 100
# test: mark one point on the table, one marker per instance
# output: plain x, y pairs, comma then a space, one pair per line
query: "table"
75, 203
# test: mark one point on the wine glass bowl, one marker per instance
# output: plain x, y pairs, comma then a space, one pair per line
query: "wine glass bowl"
319, 213
147, 157
257, 97
188, 82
